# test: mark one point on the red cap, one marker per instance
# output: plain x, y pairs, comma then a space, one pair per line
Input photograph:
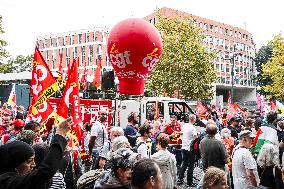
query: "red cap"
18, 123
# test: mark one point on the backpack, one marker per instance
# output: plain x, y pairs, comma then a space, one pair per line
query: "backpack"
154, 143
135, 148
194, 147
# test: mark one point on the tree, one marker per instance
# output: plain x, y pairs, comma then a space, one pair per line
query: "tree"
274, 68
263, 55
21, 63
3, 43
184, 65
6, 68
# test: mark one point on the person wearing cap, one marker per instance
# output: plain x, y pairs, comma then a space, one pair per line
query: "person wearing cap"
119, 175
16, 129
234, 127
17, 162
244, 167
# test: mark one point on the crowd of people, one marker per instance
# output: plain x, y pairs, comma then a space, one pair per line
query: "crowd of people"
153, 155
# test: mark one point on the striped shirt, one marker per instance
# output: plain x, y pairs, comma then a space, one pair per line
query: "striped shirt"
58, 182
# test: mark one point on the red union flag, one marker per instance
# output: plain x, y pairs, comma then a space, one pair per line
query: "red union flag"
232, 112
237, 108
156, 110
45, 111
200, 109
71, 96
43, 85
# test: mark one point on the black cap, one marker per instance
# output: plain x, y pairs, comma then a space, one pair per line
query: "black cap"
14, 154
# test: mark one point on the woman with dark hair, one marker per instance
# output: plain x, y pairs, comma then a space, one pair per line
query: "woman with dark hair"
146, 175
166, 162
17, 162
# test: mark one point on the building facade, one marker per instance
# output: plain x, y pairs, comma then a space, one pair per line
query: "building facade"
87, 46
228, 42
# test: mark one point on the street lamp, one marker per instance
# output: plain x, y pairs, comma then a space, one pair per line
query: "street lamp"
232, 60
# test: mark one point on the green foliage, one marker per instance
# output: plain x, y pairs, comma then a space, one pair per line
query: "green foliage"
274, 68
184, 65
263, 55
21, 63
6, 68
3, 43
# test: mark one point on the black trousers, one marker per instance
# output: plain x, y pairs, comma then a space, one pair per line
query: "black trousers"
176, 150
188, 160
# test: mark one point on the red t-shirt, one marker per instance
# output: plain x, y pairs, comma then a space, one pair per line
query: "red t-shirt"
170, 129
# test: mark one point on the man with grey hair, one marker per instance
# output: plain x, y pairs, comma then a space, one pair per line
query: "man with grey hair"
189, 133
244, 168
213, 151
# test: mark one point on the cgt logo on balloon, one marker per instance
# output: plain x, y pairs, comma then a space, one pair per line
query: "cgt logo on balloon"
119, 59
150, 60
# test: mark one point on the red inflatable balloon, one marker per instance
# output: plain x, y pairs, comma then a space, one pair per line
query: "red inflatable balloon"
134, 46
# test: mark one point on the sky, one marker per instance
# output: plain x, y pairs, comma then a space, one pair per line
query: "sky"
25, 20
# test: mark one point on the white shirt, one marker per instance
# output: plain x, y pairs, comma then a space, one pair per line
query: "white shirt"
242, 160
189, 133
142, 149
99, 131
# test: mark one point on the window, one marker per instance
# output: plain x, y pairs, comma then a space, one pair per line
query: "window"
96, 36
99, 49
91, 50
180, 109
47, 56
83, 50
222, 68
226, 31
64, 41
228, 69
51, 42
87, 37
75, 51
150, 109
80, 38
68, 53
72, 39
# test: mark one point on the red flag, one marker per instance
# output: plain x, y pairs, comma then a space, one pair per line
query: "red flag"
98, 75
231, 111
71, 96
237, 108
44, 112
43, 85
272, 105
84, 78
200, 109
156, 110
